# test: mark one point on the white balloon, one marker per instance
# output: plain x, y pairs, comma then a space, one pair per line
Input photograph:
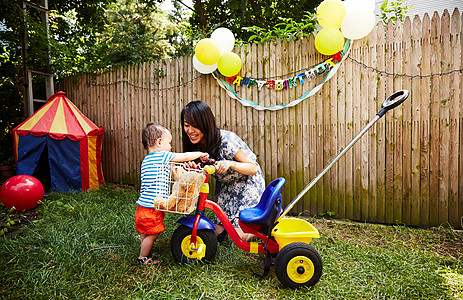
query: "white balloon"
359, 4
225, 38
358, 24
202, 68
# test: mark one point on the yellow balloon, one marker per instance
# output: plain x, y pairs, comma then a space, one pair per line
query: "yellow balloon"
207, 51
229, 64
329, 41
330, 13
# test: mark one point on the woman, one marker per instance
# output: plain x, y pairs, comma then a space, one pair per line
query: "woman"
240, 182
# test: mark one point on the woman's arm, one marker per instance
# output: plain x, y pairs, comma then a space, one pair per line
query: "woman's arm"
242, 164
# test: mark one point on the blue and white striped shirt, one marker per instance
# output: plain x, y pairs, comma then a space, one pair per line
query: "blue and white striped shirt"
154, 177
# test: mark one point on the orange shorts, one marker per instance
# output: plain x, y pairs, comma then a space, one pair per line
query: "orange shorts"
149, 221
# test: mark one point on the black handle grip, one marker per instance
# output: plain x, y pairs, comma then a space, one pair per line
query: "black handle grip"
393, 101
209, 162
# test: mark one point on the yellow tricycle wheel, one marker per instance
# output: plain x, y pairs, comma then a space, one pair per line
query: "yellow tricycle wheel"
300, 269
206, 243
186, 247
298, 264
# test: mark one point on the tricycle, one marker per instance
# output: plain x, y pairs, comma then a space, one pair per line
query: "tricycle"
286, 240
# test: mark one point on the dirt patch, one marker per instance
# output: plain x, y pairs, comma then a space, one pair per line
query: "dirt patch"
19, 217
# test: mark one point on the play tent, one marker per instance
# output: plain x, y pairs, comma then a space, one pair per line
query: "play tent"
59, 146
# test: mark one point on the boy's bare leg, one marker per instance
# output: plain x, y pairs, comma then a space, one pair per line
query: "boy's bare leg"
146, 243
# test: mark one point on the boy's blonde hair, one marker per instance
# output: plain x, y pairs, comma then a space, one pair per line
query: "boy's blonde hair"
151, 133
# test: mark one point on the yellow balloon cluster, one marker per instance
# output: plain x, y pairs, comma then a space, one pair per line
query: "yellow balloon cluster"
330, 14
215, 53
350, 19
207, 51
329, 41
229, 64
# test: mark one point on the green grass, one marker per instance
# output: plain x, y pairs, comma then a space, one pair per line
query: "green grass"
49, 258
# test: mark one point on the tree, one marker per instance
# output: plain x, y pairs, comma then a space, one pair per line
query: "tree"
239, 14
395, 10
133, 32
84, 35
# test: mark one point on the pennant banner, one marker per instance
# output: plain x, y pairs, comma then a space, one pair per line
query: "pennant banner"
332, 65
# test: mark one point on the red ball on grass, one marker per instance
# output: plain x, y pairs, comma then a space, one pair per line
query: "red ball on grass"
21, 191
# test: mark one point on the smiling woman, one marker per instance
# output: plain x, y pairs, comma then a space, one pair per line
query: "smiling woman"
240, 182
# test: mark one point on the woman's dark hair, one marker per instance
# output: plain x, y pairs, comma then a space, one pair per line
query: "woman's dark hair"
199, 115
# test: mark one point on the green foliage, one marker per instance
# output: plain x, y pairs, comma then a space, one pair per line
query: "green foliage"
328, 213
11, 105
133, 32
287, 28
237, 15
395, 10
84, 246
7, 218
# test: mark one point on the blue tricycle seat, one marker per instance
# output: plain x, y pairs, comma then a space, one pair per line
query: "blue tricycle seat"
262, 212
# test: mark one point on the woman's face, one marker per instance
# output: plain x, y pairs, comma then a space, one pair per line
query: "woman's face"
195, 135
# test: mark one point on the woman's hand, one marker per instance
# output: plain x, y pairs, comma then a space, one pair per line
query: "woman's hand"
222, 166
242, 164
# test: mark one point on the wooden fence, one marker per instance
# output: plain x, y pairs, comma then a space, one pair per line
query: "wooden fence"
407, 169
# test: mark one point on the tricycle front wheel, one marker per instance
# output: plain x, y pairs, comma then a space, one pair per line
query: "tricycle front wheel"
180, 244
297, 265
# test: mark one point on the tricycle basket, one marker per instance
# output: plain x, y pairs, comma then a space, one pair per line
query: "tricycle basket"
177, 188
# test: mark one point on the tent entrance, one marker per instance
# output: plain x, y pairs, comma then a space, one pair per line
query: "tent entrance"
42, 170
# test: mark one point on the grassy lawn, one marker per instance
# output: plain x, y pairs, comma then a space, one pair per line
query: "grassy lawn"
84, 245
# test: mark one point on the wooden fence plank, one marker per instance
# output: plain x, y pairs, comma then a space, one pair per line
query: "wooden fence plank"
460, 174
319, 142
326, 139
444, 119
333, 139
434, 145
405, 129
397, 140
425, 122
357, 126
415, 103
349, 199
389, 160
380, 127
372, 109
341, 139
455, 92
365, 140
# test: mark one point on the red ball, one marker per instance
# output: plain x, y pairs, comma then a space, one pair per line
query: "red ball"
21, 191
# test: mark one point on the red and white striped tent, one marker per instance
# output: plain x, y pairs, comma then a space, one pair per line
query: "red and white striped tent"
66, 139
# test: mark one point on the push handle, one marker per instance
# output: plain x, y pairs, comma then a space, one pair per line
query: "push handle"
393, 101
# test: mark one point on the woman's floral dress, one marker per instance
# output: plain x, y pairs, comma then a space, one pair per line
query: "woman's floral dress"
236, 191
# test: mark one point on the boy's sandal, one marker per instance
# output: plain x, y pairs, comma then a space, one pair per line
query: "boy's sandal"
146, 261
